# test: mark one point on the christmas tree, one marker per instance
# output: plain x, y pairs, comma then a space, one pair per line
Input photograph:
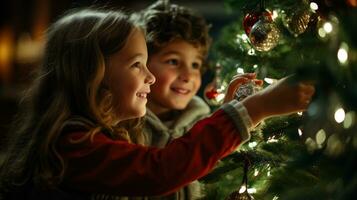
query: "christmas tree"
310, 155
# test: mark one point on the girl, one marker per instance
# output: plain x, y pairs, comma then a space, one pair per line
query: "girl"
80, 130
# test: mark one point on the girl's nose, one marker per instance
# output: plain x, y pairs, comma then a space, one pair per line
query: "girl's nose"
150, 78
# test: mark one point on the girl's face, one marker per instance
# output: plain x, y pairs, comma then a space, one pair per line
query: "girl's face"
128, 77
177, 70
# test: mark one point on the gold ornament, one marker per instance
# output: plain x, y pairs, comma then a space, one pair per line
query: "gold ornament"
298, 21
264, 35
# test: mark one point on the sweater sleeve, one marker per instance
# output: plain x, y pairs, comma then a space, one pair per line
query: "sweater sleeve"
121, 168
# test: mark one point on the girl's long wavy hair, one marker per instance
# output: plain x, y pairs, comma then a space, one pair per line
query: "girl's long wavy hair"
69, 83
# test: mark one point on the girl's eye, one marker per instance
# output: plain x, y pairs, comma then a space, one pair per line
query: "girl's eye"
172, 62
137, 65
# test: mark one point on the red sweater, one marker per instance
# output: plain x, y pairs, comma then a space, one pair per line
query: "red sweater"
120, 168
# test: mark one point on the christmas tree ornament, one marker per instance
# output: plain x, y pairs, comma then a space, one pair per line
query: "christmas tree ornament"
261, 29
242, 192
213, 94
264, 35
247, 89
253, 17
297, 21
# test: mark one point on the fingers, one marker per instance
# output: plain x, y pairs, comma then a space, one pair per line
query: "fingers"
307, 90
258, 82
247, 75
239, 80
233, 86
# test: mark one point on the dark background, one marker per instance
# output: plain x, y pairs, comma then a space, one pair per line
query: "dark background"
23, 22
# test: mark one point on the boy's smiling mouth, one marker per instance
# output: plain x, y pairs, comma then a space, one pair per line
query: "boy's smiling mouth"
180, 90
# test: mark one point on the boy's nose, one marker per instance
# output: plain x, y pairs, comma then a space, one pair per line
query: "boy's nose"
185, 74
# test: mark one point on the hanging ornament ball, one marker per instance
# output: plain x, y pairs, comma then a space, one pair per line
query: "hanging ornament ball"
297, 21
251, 18
246, 90
240, 196
264, 35
212, 95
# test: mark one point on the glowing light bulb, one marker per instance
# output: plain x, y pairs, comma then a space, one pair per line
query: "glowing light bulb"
252, 190
320, 137
244, 37
339, 115
252, 144
300, 132
342, 55
269, 80
242, 189
274, 15
256, 172
349, 120
240, 70
251, 52
328, 27
314, 6
322, 32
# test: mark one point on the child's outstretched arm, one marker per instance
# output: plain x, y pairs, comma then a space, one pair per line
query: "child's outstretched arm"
117, 167
283, 97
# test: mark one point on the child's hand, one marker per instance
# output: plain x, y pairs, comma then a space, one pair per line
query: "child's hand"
280, 98
237, 81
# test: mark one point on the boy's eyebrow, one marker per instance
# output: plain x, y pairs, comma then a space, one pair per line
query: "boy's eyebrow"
178, 53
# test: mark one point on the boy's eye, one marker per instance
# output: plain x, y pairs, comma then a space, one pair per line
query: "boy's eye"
172, 61
196, 65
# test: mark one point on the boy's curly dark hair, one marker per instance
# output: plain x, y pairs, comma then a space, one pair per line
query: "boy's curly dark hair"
164, 22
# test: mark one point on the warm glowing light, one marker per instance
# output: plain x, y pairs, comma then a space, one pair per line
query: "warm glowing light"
339, 115
242, 189
272, 139
320, 137
252, 144
275, 14
269, 80
314, 6
328, 27
251, 52
300, 132
252, 190
322, 32
299, 113
244, 37
342, 53
256, 172
240, 70
349, 120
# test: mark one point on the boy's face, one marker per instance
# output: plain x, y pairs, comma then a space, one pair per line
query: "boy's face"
177, 70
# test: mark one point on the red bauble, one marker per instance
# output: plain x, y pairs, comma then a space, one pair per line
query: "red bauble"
211, 94
251, 18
